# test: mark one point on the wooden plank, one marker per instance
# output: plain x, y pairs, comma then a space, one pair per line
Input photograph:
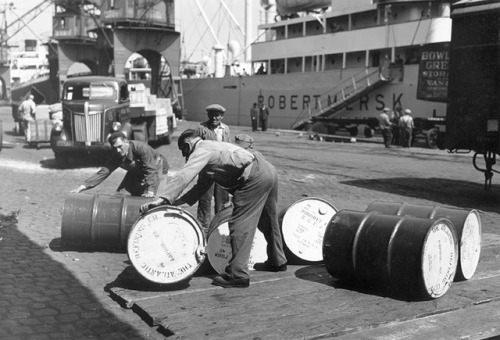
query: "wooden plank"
303, 302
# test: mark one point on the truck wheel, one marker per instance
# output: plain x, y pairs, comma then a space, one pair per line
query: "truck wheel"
62, 159
368, 132
353, 132
431, 138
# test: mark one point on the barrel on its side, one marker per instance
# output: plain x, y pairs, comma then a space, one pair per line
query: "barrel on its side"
99, 220
219, 250
467, 224
414, 258
166, 245
303, 226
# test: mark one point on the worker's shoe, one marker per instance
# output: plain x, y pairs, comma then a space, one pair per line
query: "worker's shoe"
268, 267
228, 282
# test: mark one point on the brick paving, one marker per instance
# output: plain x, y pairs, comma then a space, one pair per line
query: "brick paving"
49, 292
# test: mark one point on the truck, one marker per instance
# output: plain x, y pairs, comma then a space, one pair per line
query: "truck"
473, 115
94, 107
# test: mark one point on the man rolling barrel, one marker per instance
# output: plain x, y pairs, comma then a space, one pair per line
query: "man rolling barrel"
251, 180
146, 167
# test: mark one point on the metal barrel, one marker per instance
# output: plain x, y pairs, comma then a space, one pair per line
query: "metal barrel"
102, 221
219, 250
166, 245
411, 257
303, 225
467, 223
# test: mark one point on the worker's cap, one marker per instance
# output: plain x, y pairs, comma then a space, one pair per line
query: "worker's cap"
243, 140
408, 111
386, 109
31, 96
215, 108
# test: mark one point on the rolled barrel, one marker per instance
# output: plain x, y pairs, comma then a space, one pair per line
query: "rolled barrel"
166, 245
467, 224
99, 220
414, 258
303, 226
219, 250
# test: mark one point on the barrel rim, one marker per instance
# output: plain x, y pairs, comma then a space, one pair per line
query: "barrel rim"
174, 211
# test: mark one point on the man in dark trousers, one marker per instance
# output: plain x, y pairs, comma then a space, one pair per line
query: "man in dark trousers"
264, 114
251, 180
146, 168
212, 129
385, 126
254, 116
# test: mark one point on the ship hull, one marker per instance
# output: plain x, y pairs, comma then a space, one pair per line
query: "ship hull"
288, 96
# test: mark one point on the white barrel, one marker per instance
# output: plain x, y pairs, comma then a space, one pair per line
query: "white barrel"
166, 245
219, 250
303, 227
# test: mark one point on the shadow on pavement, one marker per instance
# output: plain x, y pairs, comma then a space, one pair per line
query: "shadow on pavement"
449, 192
41, 298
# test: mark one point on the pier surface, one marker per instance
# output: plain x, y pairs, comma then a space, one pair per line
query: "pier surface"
52, 291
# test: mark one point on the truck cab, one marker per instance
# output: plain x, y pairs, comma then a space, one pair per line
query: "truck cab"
93, 107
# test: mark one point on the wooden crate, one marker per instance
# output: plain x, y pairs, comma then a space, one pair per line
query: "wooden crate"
39, 131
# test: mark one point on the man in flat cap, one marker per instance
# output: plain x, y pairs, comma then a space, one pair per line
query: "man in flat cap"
212, 129
252, 181
385, 126
406, 125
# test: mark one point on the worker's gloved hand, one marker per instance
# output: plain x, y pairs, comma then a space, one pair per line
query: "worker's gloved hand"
148, 194
153, 204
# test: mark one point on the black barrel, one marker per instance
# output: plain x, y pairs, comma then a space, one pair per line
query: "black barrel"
166, 245
99, 220
467, 223
412, 257
219, 250
303, 225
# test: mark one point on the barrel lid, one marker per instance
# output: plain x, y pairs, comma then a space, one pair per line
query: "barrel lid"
470, 246
219, 250
303, 227
439, 258
166, 245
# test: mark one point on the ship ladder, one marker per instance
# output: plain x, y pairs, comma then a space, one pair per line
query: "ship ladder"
348, 92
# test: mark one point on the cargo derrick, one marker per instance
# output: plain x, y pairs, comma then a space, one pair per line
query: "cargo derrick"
472, 117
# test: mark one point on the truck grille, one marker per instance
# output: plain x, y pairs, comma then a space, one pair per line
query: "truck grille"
88, 128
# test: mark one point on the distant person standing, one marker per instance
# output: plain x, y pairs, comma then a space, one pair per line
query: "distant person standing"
212, 129
254, 116
385, 126
263, 115
396, 116
406, 127
27, 112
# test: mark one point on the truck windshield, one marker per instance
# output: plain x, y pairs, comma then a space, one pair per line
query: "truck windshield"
90, 91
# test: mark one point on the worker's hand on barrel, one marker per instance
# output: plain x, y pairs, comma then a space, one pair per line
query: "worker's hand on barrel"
77, 190
150, 205
148, 194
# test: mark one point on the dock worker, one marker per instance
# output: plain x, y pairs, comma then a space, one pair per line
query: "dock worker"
146, 168
385, 126
252, 181
27, 113
406, 127
212, 129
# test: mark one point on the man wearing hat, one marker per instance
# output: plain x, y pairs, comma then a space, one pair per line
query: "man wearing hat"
406, 125
385, 126
252, 181
212, 129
